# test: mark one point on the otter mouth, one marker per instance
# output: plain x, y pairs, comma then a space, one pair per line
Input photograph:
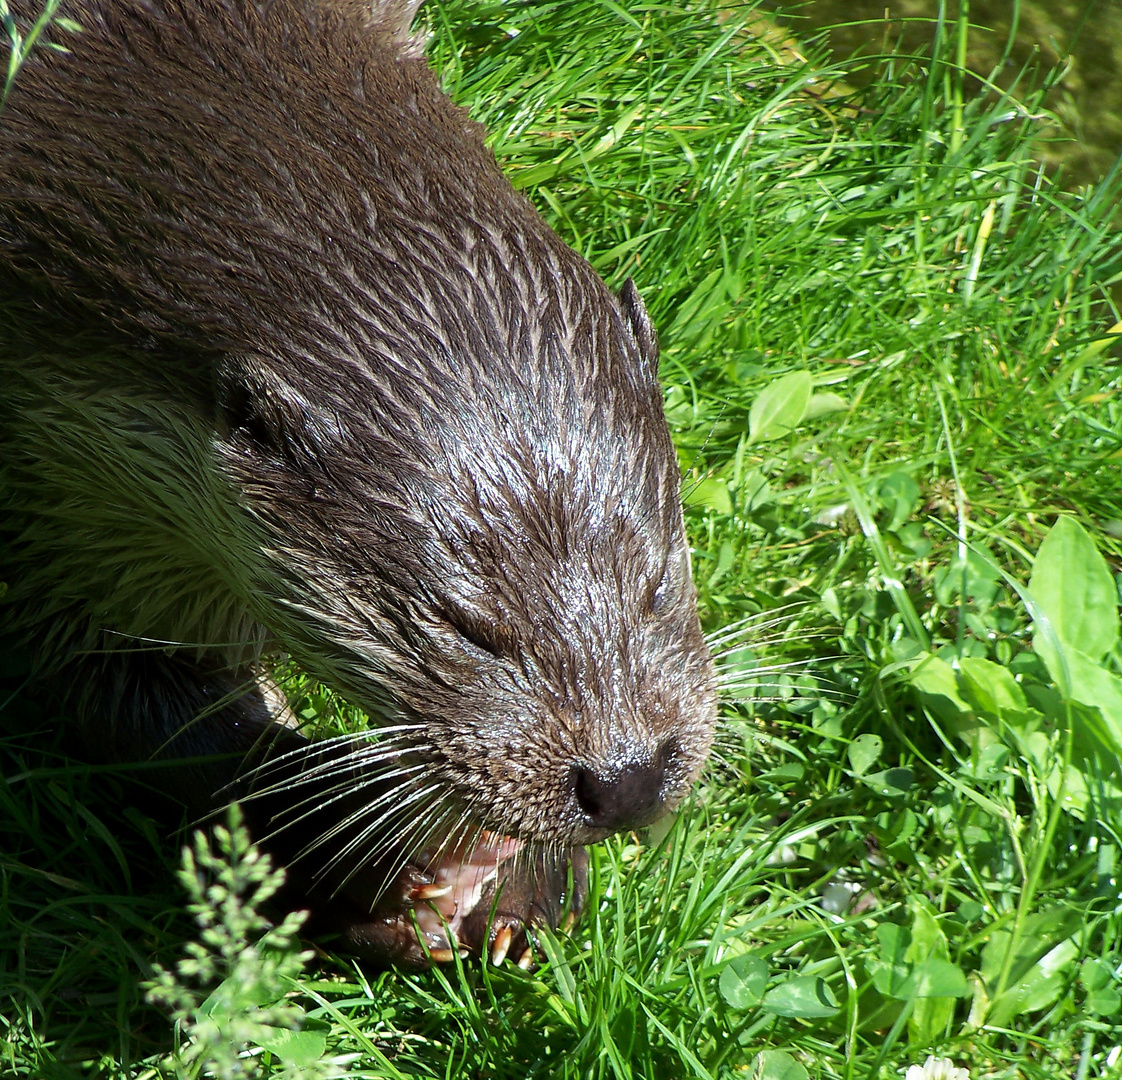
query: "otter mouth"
470, 892
453, 886
482, 897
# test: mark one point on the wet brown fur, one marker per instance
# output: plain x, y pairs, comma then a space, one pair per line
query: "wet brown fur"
289, 367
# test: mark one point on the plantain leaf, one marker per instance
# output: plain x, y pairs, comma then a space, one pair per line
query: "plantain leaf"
779, 408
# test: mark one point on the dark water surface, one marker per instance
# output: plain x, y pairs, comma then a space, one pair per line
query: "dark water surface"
1086, 34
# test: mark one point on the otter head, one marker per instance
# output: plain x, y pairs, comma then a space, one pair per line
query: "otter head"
475, 531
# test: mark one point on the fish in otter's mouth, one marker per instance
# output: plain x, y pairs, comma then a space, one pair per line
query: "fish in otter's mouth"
289, 368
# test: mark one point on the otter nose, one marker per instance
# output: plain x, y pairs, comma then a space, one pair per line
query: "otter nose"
625, 799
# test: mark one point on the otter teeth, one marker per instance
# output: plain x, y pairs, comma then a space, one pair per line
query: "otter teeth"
459, 877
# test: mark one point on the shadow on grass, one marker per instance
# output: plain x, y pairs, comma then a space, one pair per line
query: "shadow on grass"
88, 899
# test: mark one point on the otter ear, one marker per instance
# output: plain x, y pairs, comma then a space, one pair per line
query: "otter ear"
631, 303
394, 18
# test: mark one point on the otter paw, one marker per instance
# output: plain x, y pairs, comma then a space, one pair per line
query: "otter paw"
481, 899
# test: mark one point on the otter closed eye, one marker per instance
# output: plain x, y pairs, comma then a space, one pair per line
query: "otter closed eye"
291, 369
480, 637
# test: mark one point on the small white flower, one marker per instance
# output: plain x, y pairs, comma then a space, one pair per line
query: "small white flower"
936, 1069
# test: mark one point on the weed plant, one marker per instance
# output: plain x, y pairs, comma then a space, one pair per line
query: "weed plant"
894, 384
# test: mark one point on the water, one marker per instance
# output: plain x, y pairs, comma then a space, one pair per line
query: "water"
1087, 34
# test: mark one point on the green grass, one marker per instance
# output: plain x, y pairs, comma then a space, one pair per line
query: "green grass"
890, 733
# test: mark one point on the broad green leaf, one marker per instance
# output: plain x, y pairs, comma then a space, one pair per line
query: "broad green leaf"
937, 684
989, 687
755, 491
1074, 588
803, 996
1094, 974
1097, 977
779, 408
235, 994
941, 691
988, 763
1104, 1002
892, 783
863, 752
1037, 973
743, 981
1038, 987
897, 827
899, 493
1040, 933
1095, 686
1071, 785
712, 492
1092, 780
940, 979
824, 404
790, 773
932, 979
891, 971
928, 951
301, 1048
976, 577
777, 1065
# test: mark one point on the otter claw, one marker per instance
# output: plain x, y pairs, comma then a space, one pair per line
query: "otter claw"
420, 921
501, 946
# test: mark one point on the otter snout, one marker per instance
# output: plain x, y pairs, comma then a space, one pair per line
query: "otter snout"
628, 799
628, 796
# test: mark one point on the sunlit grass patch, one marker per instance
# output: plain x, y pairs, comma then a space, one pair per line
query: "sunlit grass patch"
890, 370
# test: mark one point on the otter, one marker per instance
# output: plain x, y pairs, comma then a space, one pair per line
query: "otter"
289, 369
